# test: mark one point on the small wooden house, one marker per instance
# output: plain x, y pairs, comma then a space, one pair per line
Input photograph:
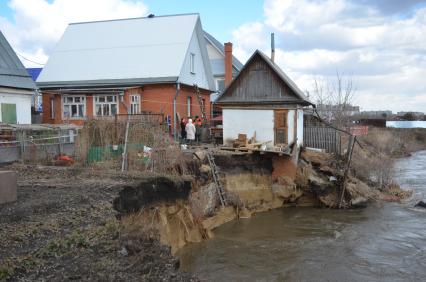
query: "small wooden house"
262, 101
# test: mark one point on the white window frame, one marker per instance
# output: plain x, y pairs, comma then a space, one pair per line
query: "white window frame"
103, 101
76, 100
188, 106
52, 108
192, 63
135, 104
217, 84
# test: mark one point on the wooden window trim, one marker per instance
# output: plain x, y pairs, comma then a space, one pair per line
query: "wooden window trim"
280, 127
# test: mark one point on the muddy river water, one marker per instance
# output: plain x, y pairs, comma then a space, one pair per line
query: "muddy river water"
384, 242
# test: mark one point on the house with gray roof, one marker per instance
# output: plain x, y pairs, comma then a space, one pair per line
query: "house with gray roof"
151, 64
16, 87
263, 102
216, 52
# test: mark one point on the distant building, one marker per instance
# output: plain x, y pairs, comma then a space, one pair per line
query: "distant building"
415, 114
36, 100
376, 114
16, 87
331, 112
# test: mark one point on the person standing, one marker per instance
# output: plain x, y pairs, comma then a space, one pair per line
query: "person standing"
182, 129
190, 131
198, 125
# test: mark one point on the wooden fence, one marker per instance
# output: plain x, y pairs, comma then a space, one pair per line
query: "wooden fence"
321, 137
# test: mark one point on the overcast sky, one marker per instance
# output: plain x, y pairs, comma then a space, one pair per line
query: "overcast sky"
380, 44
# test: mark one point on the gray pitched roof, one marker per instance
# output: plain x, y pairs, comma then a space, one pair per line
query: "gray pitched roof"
123, 52
297, 98
12, 72
221, 48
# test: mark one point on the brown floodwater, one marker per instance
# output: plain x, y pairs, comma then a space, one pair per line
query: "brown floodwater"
384, 242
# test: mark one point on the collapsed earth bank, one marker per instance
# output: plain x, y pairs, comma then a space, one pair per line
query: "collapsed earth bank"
184, 209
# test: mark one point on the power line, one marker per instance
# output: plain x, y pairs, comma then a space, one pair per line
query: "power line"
29, 60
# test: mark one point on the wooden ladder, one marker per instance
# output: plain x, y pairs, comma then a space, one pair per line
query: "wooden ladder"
202, 105
219, 187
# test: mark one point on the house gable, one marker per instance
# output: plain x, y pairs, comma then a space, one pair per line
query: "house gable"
122, 52
201, 74
12, 73
262, 82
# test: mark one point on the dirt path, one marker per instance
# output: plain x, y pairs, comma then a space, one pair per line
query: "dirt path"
63, 227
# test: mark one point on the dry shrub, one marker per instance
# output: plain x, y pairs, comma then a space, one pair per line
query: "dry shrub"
149, 146
139, 225
374, 163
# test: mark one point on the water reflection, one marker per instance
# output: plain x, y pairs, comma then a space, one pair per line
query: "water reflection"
380, 243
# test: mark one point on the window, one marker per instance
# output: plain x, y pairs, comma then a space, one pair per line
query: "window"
52, 108
220, 85
73, 106
189, 106
280, 127
106, 105
135, 104
192, 62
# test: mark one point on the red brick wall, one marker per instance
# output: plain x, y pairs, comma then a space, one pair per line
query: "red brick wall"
284, 166
47, 108
157, 98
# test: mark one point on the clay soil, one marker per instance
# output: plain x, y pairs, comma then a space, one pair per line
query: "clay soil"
63, 227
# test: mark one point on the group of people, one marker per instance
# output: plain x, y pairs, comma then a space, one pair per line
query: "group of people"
191, 130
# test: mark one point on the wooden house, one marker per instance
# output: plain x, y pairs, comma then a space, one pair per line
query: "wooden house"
262, 101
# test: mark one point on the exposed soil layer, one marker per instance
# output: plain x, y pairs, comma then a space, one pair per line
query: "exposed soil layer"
150, 191
63, 227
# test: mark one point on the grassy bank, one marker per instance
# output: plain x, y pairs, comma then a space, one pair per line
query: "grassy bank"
374, 157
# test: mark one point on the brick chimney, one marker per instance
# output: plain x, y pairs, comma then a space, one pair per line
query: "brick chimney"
228, 63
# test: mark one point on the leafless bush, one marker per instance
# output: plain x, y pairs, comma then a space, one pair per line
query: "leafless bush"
149, 146
334, 98
374, 163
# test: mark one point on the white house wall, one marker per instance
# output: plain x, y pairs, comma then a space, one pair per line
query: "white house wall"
236, 121
299, 127
199, 77
290, 124
22, 102
213, 52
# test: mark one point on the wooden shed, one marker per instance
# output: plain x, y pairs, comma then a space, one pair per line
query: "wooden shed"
262, 101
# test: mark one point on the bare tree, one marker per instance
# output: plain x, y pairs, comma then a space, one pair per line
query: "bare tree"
334, 98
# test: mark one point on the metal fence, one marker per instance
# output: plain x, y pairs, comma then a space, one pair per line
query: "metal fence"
29, 149
322, 137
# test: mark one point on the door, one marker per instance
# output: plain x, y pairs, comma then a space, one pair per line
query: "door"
8, 113
281, 127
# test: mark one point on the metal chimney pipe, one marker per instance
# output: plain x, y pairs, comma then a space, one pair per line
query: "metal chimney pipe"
273, 47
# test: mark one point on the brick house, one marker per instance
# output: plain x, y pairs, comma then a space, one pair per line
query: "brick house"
151, 64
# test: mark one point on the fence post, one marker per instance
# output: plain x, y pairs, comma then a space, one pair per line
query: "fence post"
22, 145
124, 162
59, 143
348, 166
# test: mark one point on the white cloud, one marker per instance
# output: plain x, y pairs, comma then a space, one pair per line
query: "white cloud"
38, 24
247, 37
384, 52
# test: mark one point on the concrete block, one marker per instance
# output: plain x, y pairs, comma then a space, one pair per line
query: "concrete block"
8, 186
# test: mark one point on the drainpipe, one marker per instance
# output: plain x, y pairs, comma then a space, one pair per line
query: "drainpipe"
121, 99
175, 112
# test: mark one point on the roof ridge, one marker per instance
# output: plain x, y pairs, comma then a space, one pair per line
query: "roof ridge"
135, 18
